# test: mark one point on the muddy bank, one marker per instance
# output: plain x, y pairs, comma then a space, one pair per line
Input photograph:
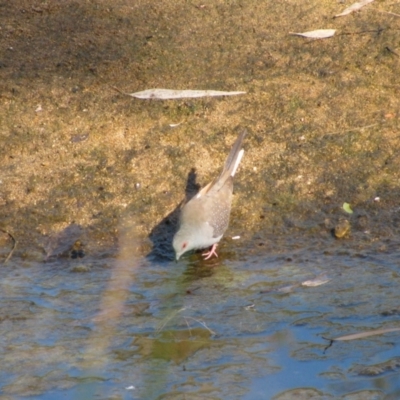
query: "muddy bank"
322, 116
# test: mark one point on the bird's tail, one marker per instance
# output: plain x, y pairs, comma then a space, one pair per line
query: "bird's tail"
234, 157
230, 167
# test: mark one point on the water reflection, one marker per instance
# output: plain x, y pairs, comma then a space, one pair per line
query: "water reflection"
130, 328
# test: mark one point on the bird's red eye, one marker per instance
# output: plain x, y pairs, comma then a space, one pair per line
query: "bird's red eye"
184, 245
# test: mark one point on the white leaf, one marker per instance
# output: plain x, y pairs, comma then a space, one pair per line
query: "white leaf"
317, 34
287, 289
318, 281
363, 335
354, 7
165, 94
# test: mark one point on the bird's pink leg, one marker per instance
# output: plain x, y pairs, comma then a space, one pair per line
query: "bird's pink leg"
211, 253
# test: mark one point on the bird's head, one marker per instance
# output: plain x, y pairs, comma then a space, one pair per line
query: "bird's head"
181, 244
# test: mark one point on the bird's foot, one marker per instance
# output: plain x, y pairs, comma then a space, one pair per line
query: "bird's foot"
211, 253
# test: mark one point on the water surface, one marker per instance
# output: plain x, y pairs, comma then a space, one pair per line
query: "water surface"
241, 326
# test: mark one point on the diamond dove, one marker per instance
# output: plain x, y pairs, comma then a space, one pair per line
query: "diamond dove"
205, 218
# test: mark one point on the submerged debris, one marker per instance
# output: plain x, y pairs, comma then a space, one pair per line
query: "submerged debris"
342, 228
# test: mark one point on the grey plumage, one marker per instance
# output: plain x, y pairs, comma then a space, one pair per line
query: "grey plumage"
205, 217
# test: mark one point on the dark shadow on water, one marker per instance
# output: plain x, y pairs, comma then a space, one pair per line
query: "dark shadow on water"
196, 271
162, 234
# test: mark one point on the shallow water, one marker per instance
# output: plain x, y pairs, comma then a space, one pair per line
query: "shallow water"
240, 326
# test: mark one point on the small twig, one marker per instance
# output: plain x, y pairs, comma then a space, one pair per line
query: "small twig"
187, 323
167, 319
13, 248
330, 343
390, 13
119, 91
352, 129
378, 31
391, 51
203, 324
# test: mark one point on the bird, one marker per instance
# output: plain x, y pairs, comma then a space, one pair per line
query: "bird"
205, 217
